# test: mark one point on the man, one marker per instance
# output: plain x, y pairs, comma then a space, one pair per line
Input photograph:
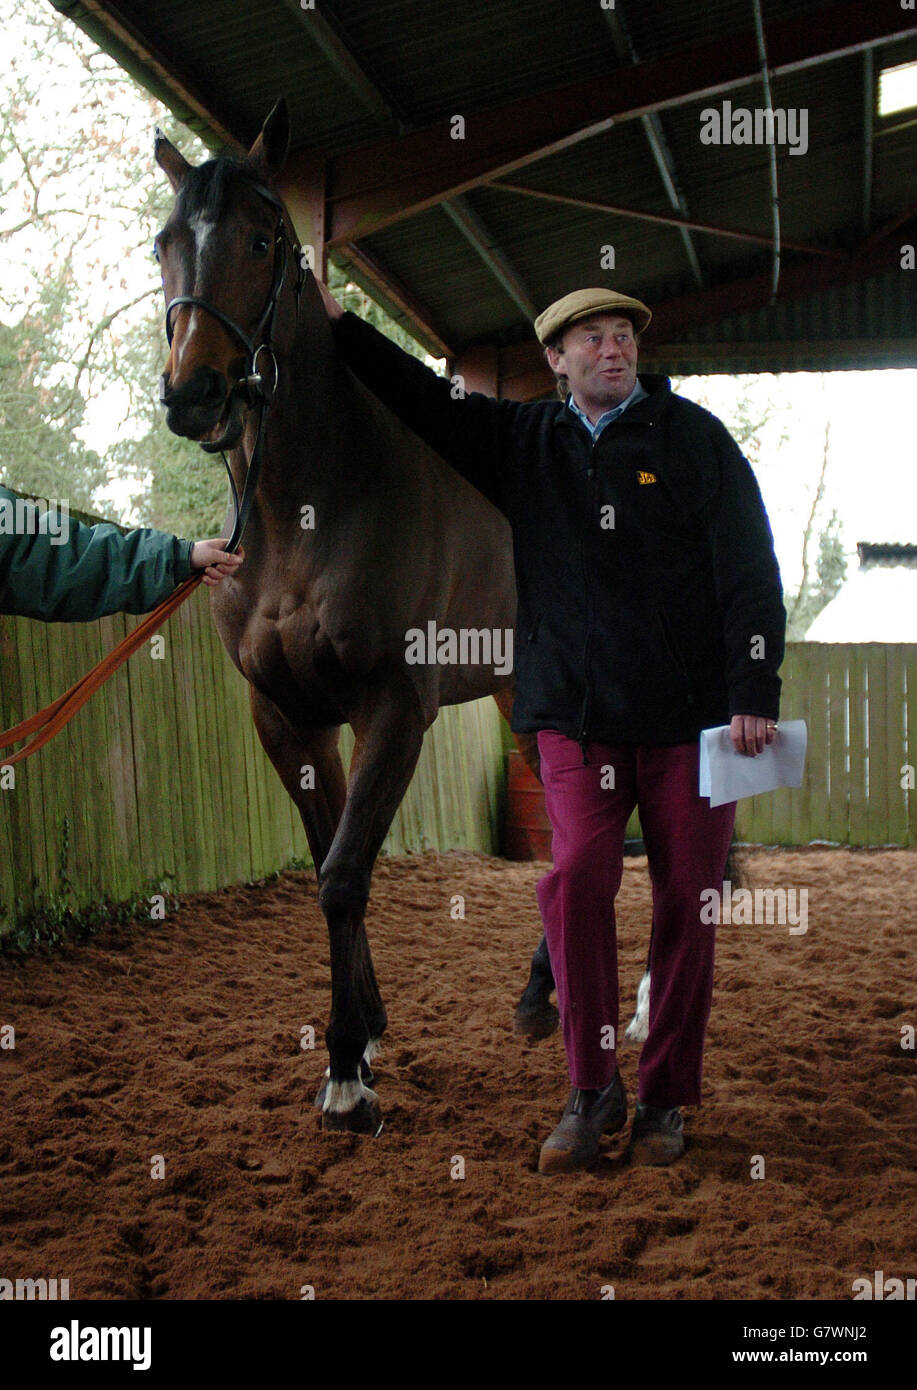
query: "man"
86, 572
650, 607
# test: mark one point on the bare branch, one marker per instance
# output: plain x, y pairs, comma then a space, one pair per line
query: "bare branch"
802, 592
96, 333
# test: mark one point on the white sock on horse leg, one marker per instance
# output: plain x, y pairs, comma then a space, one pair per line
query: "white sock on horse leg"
344, 1096
638, 1028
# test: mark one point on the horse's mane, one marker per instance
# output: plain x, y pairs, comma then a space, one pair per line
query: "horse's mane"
208, 189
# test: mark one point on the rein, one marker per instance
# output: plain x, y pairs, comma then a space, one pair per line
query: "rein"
54, 717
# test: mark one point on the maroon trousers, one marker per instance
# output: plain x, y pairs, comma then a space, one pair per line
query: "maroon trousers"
686, 843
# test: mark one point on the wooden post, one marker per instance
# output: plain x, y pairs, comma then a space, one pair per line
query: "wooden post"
302, 187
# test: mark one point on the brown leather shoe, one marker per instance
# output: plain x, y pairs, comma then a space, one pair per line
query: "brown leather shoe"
657, 1136
589, 1115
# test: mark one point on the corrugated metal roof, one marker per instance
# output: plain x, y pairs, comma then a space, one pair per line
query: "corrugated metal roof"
869, 324
424, 63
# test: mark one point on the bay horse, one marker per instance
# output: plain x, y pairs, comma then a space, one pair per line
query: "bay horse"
317, 617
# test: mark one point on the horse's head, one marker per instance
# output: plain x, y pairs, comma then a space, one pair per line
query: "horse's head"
225, 254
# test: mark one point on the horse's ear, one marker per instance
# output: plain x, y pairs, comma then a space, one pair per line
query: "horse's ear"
269, 152
170, 160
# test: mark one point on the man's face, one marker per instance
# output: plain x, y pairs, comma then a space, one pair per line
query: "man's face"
598, 356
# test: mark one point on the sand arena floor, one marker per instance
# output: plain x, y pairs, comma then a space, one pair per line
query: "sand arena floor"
181, 1040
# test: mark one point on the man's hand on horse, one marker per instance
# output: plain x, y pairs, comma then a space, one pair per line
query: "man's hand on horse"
332, 308
750, 733
210, 557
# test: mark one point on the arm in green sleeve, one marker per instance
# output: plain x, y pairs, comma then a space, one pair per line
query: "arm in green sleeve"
85, 572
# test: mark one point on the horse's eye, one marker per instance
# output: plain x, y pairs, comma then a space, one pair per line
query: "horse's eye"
155, 251
260, 245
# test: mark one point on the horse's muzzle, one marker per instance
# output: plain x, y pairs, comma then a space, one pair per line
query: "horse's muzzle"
203, 409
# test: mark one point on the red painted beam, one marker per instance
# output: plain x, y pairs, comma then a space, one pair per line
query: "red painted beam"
743, 296
382, 183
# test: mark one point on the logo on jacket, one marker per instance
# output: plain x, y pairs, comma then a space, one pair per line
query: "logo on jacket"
645, 477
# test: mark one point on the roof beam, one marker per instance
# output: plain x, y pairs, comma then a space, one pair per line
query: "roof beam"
887, 229
712, 229
397, 301
743, 296
326, 37
473, 229
790, 353
655, 137
869, 113
379, 184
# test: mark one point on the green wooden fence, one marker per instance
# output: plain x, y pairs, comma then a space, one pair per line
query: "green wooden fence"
860, 704
160, 782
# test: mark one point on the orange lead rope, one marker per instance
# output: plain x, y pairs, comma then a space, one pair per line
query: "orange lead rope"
51, 720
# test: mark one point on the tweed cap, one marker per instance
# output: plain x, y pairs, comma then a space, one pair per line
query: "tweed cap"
581, 303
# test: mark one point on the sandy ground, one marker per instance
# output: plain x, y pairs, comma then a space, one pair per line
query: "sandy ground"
182, 1040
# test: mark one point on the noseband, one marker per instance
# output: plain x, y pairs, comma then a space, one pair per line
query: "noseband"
252, 385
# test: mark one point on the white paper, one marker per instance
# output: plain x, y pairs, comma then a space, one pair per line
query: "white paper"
726, 775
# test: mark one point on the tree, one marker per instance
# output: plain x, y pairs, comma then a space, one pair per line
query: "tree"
41, 452
747, 415
77, 278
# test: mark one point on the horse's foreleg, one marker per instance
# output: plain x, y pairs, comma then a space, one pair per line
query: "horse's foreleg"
388, 731
309, 765
536, 1016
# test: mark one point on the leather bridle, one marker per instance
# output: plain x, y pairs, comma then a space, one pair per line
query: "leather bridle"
252, 384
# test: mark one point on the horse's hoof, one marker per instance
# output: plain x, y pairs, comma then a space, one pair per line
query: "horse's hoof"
366, 1076
539, 1022
364, 1118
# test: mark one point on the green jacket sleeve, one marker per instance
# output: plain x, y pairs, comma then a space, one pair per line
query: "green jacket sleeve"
57, 569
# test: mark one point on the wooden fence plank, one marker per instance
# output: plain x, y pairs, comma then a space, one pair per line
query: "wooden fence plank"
818, 748
801, 802
897, 749
838, 809
859, 753
881, 791
17, 870
72, 754
910, 669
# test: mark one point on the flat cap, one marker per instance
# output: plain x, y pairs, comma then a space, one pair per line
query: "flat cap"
581, 303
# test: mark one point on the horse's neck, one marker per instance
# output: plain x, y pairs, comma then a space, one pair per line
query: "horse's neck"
309, 420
